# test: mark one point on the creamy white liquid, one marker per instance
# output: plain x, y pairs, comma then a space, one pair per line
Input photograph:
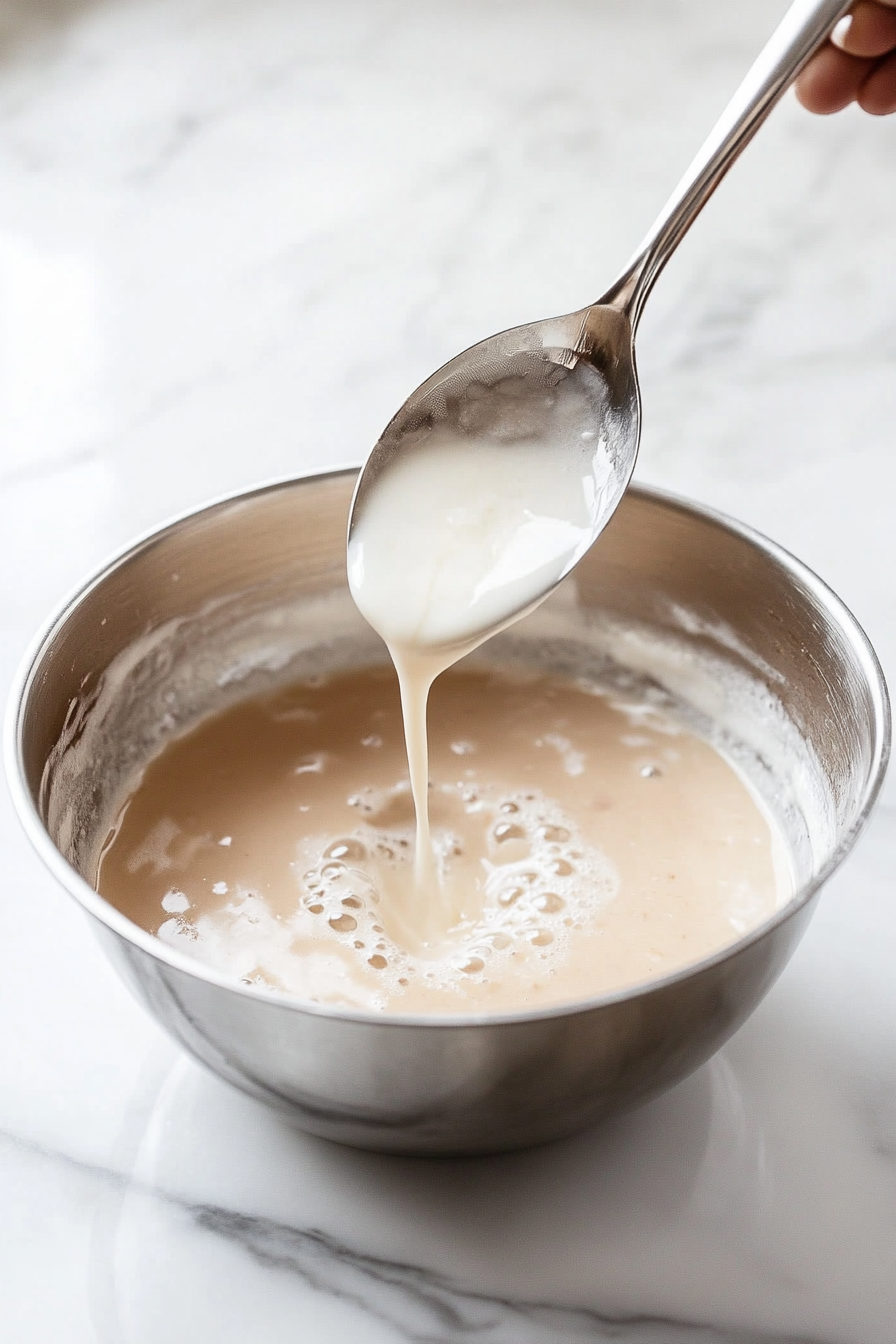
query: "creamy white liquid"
459, 538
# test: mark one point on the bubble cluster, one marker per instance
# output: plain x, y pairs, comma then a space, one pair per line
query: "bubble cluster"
534, 881
515, 879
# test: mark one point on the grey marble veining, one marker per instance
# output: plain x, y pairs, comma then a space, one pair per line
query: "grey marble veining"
233, 235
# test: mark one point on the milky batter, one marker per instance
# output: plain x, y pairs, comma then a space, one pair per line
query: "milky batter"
467, 529
584, 844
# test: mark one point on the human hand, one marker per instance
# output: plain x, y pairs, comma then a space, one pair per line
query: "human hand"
858, 64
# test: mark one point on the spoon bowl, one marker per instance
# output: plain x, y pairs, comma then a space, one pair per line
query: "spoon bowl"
569, 382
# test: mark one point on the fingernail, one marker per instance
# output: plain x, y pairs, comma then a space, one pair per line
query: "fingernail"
838, 36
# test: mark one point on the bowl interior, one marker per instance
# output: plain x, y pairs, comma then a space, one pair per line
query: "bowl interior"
672, 602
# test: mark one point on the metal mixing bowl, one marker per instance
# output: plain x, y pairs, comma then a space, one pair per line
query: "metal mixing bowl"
251, 590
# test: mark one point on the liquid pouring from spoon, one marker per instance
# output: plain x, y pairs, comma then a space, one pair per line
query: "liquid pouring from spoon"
501, 470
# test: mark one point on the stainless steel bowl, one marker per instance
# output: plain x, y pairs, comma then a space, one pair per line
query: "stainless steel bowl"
252, 589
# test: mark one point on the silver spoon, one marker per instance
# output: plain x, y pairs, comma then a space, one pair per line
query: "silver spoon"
498, 390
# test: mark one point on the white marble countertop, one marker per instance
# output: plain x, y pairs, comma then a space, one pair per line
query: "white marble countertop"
233, 235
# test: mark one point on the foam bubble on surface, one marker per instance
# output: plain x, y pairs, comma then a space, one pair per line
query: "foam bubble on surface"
353, 938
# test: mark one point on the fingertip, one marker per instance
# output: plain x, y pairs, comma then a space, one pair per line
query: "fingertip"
877, 93
831, 81
868, 30
807, 97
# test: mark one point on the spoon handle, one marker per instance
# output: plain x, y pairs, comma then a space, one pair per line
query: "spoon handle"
802, 30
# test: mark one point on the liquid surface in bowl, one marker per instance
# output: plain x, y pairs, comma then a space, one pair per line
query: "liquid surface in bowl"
584, 843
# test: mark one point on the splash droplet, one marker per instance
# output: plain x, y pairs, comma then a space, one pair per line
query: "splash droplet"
377, 962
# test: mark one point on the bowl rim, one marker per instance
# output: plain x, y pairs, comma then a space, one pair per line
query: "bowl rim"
95, 905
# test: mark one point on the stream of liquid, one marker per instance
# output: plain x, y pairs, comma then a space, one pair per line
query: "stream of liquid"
458, 540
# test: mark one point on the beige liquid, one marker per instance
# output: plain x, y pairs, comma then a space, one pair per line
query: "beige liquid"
585, 844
